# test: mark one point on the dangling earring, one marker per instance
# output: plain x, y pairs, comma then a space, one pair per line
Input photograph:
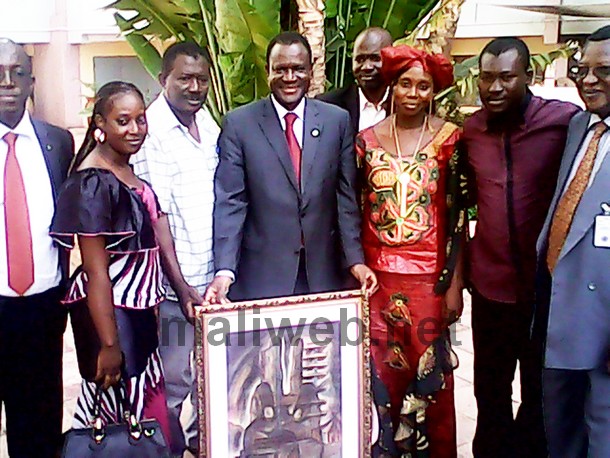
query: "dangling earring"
429, 126
99, 135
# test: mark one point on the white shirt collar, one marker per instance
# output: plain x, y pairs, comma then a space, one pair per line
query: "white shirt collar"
170, 118
595, 119
281, 111
364, 102
166, 119
24, 128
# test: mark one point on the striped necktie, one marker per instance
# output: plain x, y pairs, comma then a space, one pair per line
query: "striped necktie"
564, 213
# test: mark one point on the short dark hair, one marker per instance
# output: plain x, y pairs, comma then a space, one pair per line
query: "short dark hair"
600, 34
289, 38
499, 46
9, 42
182, 48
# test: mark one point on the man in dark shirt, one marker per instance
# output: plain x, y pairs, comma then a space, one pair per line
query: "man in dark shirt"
514, 147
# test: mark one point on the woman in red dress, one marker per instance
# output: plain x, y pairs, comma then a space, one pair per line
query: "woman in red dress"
412, 227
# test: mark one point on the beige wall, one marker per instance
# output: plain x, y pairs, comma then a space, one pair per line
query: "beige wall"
64, 74
57, 87
100, 49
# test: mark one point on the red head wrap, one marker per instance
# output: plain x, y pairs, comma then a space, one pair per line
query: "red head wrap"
398, 59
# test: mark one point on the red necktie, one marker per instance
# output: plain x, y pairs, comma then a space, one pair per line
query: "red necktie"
293, 145
17, 223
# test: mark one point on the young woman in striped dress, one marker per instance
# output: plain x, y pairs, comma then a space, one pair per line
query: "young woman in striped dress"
124, 239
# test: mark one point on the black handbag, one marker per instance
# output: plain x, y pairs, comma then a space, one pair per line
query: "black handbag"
128, 439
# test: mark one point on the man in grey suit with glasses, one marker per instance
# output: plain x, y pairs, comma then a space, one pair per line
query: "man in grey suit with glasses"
574, 248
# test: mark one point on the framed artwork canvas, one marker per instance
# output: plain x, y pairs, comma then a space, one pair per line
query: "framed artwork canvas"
285, 378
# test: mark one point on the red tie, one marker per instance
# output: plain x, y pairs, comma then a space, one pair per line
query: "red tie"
293, 144
17, 223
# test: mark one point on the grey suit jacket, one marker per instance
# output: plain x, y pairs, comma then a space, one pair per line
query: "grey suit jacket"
262, 215
578, 334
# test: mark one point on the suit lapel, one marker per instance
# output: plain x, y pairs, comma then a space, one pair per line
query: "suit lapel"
589, 206
272, 130
48, 151
575, 140
312, 131
352, 102
580, 132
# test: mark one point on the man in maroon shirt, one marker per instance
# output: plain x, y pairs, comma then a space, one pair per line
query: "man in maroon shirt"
514, 147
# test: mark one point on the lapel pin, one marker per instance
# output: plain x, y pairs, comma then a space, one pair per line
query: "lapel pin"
49, 147
315, 133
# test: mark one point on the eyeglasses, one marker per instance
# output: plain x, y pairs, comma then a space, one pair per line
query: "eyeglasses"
581, 71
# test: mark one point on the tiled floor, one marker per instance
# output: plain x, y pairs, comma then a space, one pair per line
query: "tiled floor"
464, 394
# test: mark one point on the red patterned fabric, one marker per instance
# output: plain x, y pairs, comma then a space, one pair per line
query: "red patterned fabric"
397, 59
415, 244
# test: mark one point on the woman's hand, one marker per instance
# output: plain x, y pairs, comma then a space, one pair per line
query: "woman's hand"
189, 297
101, 307
454, 303
109, 361
366, 277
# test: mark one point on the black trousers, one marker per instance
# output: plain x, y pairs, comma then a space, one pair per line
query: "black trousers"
301, 285
31, 347
501, 336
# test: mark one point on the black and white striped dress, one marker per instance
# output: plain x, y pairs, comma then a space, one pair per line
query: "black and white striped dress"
93, 202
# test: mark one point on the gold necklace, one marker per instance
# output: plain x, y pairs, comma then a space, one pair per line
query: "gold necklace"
397, 143
404, 178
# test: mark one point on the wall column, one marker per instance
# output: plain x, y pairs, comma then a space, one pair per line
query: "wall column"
57, 89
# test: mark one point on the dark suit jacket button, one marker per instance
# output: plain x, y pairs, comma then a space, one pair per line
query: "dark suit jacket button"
592, 286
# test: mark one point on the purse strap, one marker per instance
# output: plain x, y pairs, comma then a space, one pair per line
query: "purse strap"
128, 417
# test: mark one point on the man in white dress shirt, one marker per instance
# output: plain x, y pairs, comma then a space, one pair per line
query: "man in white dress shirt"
366, 99
179, 160
34, 162
574, 248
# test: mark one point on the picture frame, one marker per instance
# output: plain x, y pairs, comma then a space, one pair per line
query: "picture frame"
285, 377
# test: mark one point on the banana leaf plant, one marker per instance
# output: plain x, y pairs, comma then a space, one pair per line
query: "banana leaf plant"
346, 18
464, 91
235, 32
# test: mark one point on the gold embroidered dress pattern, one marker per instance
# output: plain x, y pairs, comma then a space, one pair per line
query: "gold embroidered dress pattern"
400, 194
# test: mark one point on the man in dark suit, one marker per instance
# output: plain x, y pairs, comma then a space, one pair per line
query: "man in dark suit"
574, 247
34, 161
286, 218
365, 99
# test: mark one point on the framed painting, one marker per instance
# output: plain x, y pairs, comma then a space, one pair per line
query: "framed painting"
285, 378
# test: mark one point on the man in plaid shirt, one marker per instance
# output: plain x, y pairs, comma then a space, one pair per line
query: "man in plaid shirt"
179, 160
